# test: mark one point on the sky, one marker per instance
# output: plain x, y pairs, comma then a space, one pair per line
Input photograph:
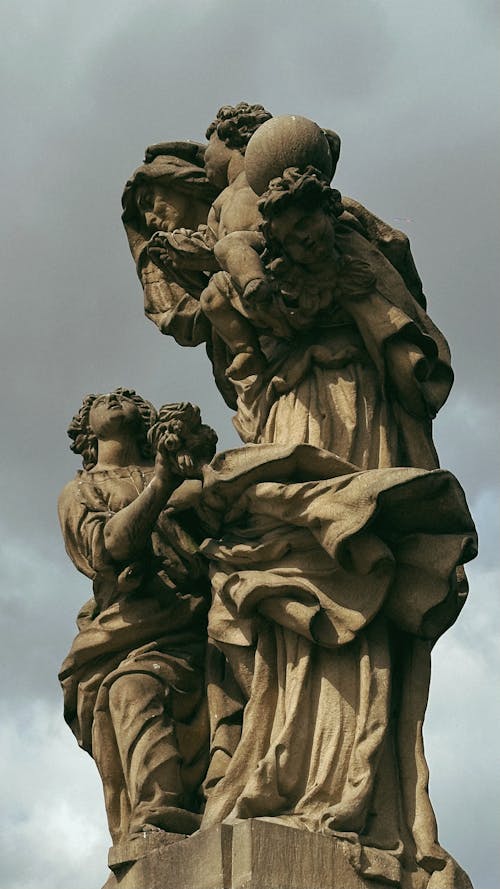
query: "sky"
412, 90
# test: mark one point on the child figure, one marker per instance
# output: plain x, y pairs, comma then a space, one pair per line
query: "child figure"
254, 293
234, 210
232, 234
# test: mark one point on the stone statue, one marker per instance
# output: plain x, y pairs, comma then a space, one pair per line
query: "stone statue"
134, 678
338, 329
329, 587
228, 166
257, 652
173, 179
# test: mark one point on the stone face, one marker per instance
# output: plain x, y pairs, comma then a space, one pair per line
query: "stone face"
255, 661
268, 856
258, 854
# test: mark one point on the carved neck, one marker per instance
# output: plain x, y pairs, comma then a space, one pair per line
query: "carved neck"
116, 452
235, 166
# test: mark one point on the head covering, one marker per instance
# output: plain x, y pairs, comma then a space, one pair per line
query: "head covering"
178, 165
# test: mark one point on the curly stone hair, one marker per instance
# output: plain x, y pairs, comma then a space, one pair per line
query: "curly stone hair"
305, 187
180, 429
236, 124
84, 440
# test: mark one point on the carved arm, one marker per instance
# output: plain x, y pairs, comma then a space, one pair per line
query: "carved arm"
127, 533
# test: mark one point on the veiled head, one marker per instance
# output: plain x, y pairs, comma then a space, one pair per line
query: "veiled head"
169, 191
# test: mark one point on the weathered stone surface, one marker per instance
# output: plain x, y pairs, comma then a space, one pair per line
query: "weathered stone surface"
138, 846
332, 541
253, 854
133, 681
202, 861
272, 856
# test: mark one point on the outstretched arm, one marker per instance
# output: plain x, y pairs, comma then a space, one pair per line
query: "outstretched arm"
127, 533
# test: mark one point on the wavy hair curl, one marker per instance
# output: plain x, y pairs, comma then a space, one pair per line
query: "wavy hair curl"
236, 124
191, 443
84, 441
306, 188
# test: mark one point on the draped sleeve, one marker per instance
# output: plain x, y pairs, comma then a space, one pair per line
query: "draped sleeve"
83, 513
410, 352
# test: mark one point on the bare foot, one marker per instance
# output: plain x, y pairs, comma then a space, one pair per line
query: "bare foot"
244, 364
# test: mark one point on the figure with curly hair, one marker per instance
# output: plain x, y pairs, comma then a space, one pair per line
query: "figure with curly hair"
133, 680
232, 233
246, 301
234, 210
352, 361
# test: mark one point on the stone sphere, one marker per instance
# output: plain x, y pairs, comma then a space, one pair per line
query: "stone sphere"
285, 141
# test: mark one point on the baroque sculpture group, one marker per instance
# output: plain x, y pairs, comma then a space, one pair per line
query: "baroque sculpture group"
259, 638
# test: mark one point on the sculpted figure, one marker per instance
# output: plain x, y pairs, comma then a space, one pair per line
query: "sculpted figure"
334, 541
352, 364
330, 585
133, 680
230, 239
189, 242
235, 209
352, 361
168, 191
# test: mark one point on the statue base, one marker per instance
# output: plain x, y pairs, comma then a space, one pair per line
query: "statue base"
251, 854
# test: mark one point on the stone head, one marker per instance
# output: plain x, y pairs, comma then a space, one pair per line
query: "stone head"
119, 414
299, 211
230, 132
168, 191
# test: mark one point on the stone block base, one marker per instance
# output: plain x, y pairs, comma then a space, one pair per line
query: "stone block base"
253, 854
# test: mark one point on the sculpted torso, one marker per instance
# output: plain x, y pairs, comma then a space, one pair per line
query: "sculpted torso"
235, 209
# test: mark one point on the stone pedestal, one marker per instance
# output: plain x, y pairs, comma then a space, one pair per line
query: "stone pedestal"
253, 854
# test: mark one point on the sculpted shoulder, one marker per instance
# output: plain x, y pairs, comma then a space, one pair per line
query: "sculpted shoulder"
69, 493
237, 207
70, 504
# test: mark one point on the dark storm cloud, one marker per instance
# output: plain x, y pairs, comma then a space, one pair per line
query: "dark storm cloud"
86, 87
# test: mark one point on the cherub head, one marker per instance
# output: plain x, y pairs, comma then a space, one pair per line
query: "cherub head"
180, 432
125, 416
230, 132
121, 413
299, 211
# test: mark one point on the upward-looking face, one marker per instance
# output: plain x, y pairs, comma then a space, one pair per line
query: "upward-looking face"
217, 157
164, 208
113, 415
307, 237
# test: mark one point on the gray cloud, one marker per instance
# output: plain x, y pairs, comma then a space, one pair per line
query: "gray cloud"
86, 87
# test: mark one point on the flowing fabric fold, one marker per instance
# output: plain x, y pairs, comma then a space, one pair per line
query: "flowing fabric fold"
331, 579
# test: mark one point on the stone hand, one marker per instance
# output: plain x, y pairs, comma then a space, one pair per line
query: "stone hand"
258, 291
173, 453
160, 251
164, 465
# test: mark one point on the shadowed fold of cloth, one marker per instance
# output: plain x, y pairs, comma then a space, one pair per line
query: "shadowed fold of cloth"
331, 585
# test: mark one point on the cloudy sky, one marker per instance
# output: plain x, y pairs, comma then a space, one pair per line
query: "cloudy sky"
86, 86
